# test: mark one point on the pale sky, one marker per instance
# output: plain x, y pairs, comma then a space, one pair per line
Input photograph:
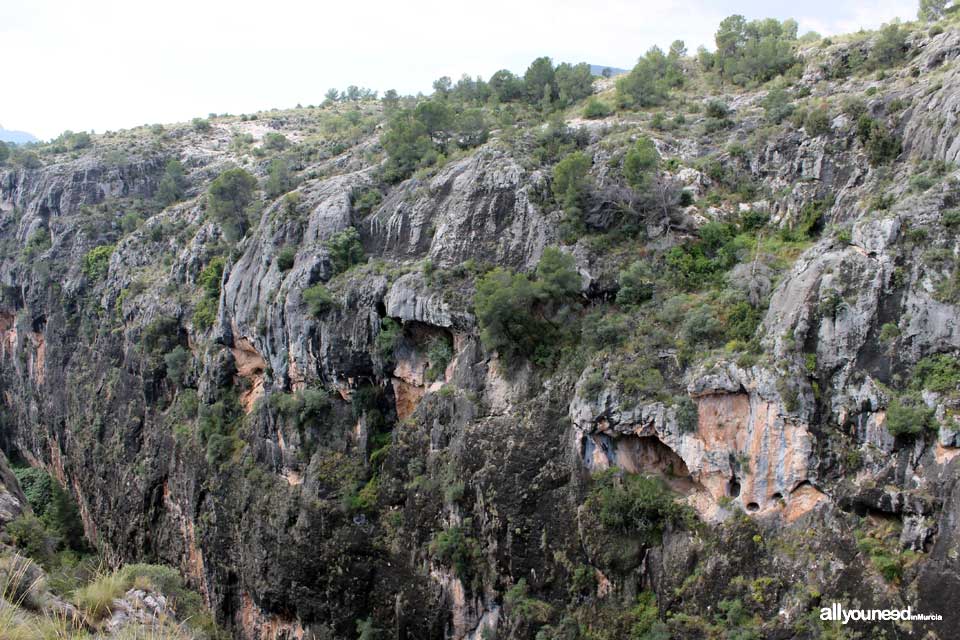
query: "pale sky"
109, 64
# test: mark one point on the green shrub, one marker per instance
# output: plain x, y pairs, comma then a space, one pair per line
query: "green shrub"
504, 303
881, 145
37, 486
522, 606
777, 106
716, 109
28, 533
439, 354
200, 125
178, 362
210, 280
637, 505
908, 416
274, 141
890, 47
279, 179
817, 122
318, 299
755, 51
889, 332
173, 184
596, 108
637, 283
345, 250
557, 275
688, 417
701, 326
939, 373
454, 548
571, 181
650, 80
228, 197
286, 257
388, 339
366, 200
605, 330
640, 164
38, 243
96, 262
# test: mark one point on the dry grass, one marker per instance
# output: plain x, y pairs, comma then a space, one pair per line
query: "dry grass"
95, 600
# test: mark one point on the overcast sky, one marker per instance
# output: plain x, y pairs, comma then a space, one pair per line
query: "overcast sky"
111, 64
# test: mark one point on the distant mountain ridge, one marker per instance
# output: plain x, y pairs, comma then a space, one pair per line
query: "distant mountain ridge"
597, 70
16, 137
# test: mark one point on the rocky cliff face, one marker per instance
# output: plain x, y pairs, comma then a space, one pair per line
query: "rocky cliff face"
374, 463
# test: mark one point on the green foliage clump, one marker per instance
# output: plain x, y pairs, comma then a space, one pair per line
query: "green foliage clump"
939, 373
38, 243
345, 250
931, 10
637, 283
418, 137
408, 145
205, 312
570, 180
228, 197
389, 337
518, 316
522, 606
881, 145
640, 164
96, 262
651, 79
178, 363
754, 51
55, 524
173, 184
200, 125
637, 505
439, 354
890, 47
454, 548
817, 121
217, 425
275, 141
366, 200
557, 274
596, 108
693, 264
777, 106
319, 300
280, 178
881, 546
286, 257
687, 414
70, 141
4, 151
908, 416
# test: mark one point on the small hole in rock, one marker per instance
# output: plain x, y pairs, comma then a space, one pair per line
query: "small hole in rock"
777, 496
752, 506
733, 488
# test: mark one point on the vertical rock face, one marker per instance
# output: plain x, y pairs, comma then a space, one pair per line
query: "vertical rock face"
331, 449
12, 501
741, 446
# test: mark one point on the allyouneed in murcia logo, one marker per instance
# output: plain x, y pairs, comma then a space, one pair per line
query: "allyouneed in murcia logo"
836, 612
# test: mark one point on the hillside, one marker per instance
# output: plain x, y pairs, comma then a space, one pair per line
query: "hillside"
672, 355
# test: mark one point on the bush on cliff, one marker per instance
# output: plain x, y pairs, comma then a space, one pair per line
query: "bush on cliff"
520, 317
227, 199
